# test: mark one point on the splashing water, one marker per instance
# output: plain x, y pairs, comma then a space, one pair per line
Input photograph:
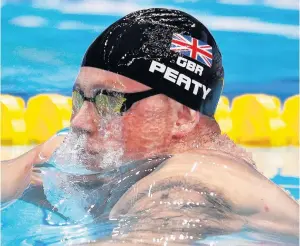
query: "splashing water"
71, 183
73, 156
86, 198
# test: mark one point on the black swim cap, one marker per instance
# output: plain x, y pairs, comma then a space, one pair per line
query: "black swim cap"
167, 50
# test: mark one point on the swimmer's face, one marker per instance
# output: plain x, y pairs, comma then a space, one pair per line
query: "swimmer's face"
144, 130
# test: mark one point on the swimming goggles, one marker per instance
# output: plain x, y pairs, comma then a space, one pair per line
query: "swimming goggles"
107, 101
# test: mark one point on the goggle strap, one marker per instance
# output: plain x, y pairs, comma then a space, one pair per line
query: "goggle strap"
131, 98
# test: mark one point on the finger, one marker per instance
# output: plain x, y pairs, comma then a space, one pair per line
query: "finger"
36, 179
36, 170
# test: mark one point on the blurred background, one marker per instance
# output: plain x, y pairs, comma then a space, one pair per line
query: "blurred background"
43, 42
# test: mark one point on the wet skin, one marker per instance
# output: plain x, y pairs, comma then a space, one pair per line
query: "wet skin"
204, 193
198, 193
175, 191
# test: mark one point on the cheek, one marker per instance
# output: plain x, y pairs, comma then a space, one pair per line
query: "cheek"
148, 125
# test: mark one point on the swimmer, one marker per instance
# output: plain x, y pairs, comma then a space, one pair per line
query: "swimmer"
149, 86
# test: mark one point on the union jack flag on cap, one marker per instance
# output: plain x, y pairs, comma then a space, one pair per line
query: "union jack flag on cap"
193, 48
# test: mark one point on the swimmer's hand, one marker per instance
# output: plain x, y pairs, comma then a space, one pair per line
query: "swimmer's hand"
193, 196
17, 174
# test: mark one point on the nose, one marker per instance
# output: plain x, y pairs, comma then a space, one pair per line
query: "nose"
86, 119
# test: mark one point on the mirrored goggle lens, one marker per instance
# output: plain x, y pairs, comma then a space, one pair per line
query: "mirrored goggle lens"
106, 103
78, 100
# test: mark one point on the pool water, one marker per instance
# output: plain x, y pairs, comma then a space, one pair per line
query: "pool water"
23, 223
27, 224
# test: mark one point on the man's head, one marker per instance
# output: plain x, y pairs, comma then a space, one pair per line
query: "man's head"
167, 50
148, 84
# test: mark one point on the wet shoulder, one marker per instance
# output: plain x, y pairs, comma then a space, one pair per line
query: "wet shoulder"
198, 161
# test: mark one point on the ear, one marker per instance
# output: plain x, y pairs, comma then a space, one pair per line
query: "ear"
186, 121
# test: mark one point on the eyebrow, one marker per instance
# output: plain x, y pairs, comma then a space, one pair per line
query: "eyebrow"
106, 83
95, 91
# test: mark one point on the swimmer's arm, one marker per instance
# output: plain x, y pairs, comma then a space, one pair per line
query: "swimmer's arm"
240, 197
17, 174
